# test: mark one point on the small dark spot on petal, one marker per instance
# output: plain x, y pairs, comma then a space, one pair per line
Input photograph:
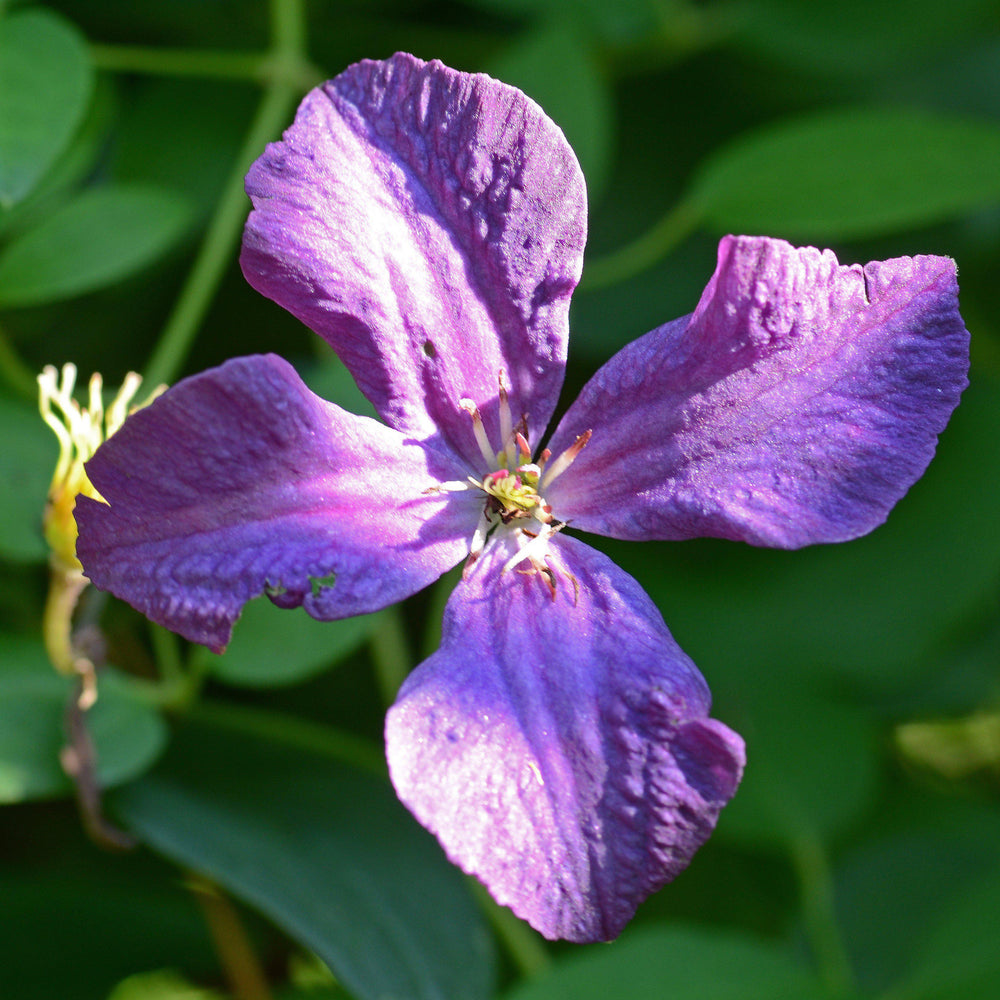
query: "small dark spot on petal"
430, 350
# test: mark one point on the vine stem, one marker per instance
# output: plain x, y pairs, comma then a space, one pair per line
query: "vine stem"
240, 965
287, 70
812, 867
643, 253
389, 649
178, 62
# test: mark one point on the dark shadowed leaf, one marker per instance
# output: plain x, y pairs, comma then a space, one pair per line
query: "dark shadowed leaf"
961, 960
323, 850
27, 461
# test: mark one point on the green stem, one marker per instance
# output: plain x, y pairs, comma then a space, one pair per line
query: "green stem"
390, 653
636, 257
812, 867
218, 245
293, 732
179, 62
240, 965
288, 73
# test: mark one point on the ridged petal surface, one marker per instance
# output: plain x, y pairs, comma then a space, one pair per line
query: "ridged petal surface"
430, 225
239, 481
797, 404
560, 748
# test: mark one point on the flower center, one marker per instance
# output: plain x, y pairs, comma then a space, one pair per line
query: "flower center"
514, 494
514, 502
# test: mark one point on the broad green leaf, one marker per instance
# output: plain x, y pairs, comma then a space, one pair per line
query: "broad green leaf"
102, 236
961, 960
921, 874
275, 646
78, 161
851, 173
128, 735
553, 65
45, 84
323, 850
27, 461
811, 761
682, 963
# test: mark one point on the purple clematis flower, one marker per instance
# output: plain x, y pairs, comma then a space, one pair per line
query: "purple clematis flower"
430, 226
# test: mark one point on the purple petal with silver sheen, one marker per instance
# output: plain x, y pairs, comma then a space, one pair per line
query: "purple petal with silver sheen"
797, 404
560, 748
240, 481
430, 225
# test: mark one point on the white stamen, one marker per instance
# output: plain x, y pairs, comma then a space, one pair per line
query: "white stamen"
565, 460
485, 449
506, 421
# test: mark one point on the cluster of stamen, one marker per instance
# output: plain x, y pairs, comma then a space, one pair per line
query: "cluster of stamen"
513, 490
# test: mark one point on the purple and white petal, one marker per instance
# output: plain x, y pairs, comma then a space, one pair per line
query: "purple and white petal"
430, 225
797, 404
240, 481
560, 747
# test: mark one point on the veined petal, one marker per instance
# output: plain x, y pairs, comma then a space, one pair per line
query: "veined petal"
797, 404
430, 225
240, 481
560, 748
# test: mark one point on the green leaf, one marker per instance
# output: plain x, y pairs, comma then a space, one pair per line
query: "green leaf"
921, 873
681, 963
552, 65
326, 852
851, 173
27, 461
45, 84
811, 761
78, 161
101, 237
961, 960
275, 646
128, 735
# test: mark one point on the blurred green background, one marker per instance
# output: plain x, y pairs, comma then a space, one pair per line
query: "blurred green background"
861, 856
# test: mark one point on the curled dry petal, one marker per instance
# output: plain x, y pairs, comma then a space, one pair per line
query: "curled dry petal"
430, 225
797, 404
560, 748
240, 481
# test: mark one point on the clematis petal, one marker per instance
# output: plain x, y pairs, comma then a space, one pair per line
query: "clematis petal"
240, 481
560, 747
430, 225
797, 403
